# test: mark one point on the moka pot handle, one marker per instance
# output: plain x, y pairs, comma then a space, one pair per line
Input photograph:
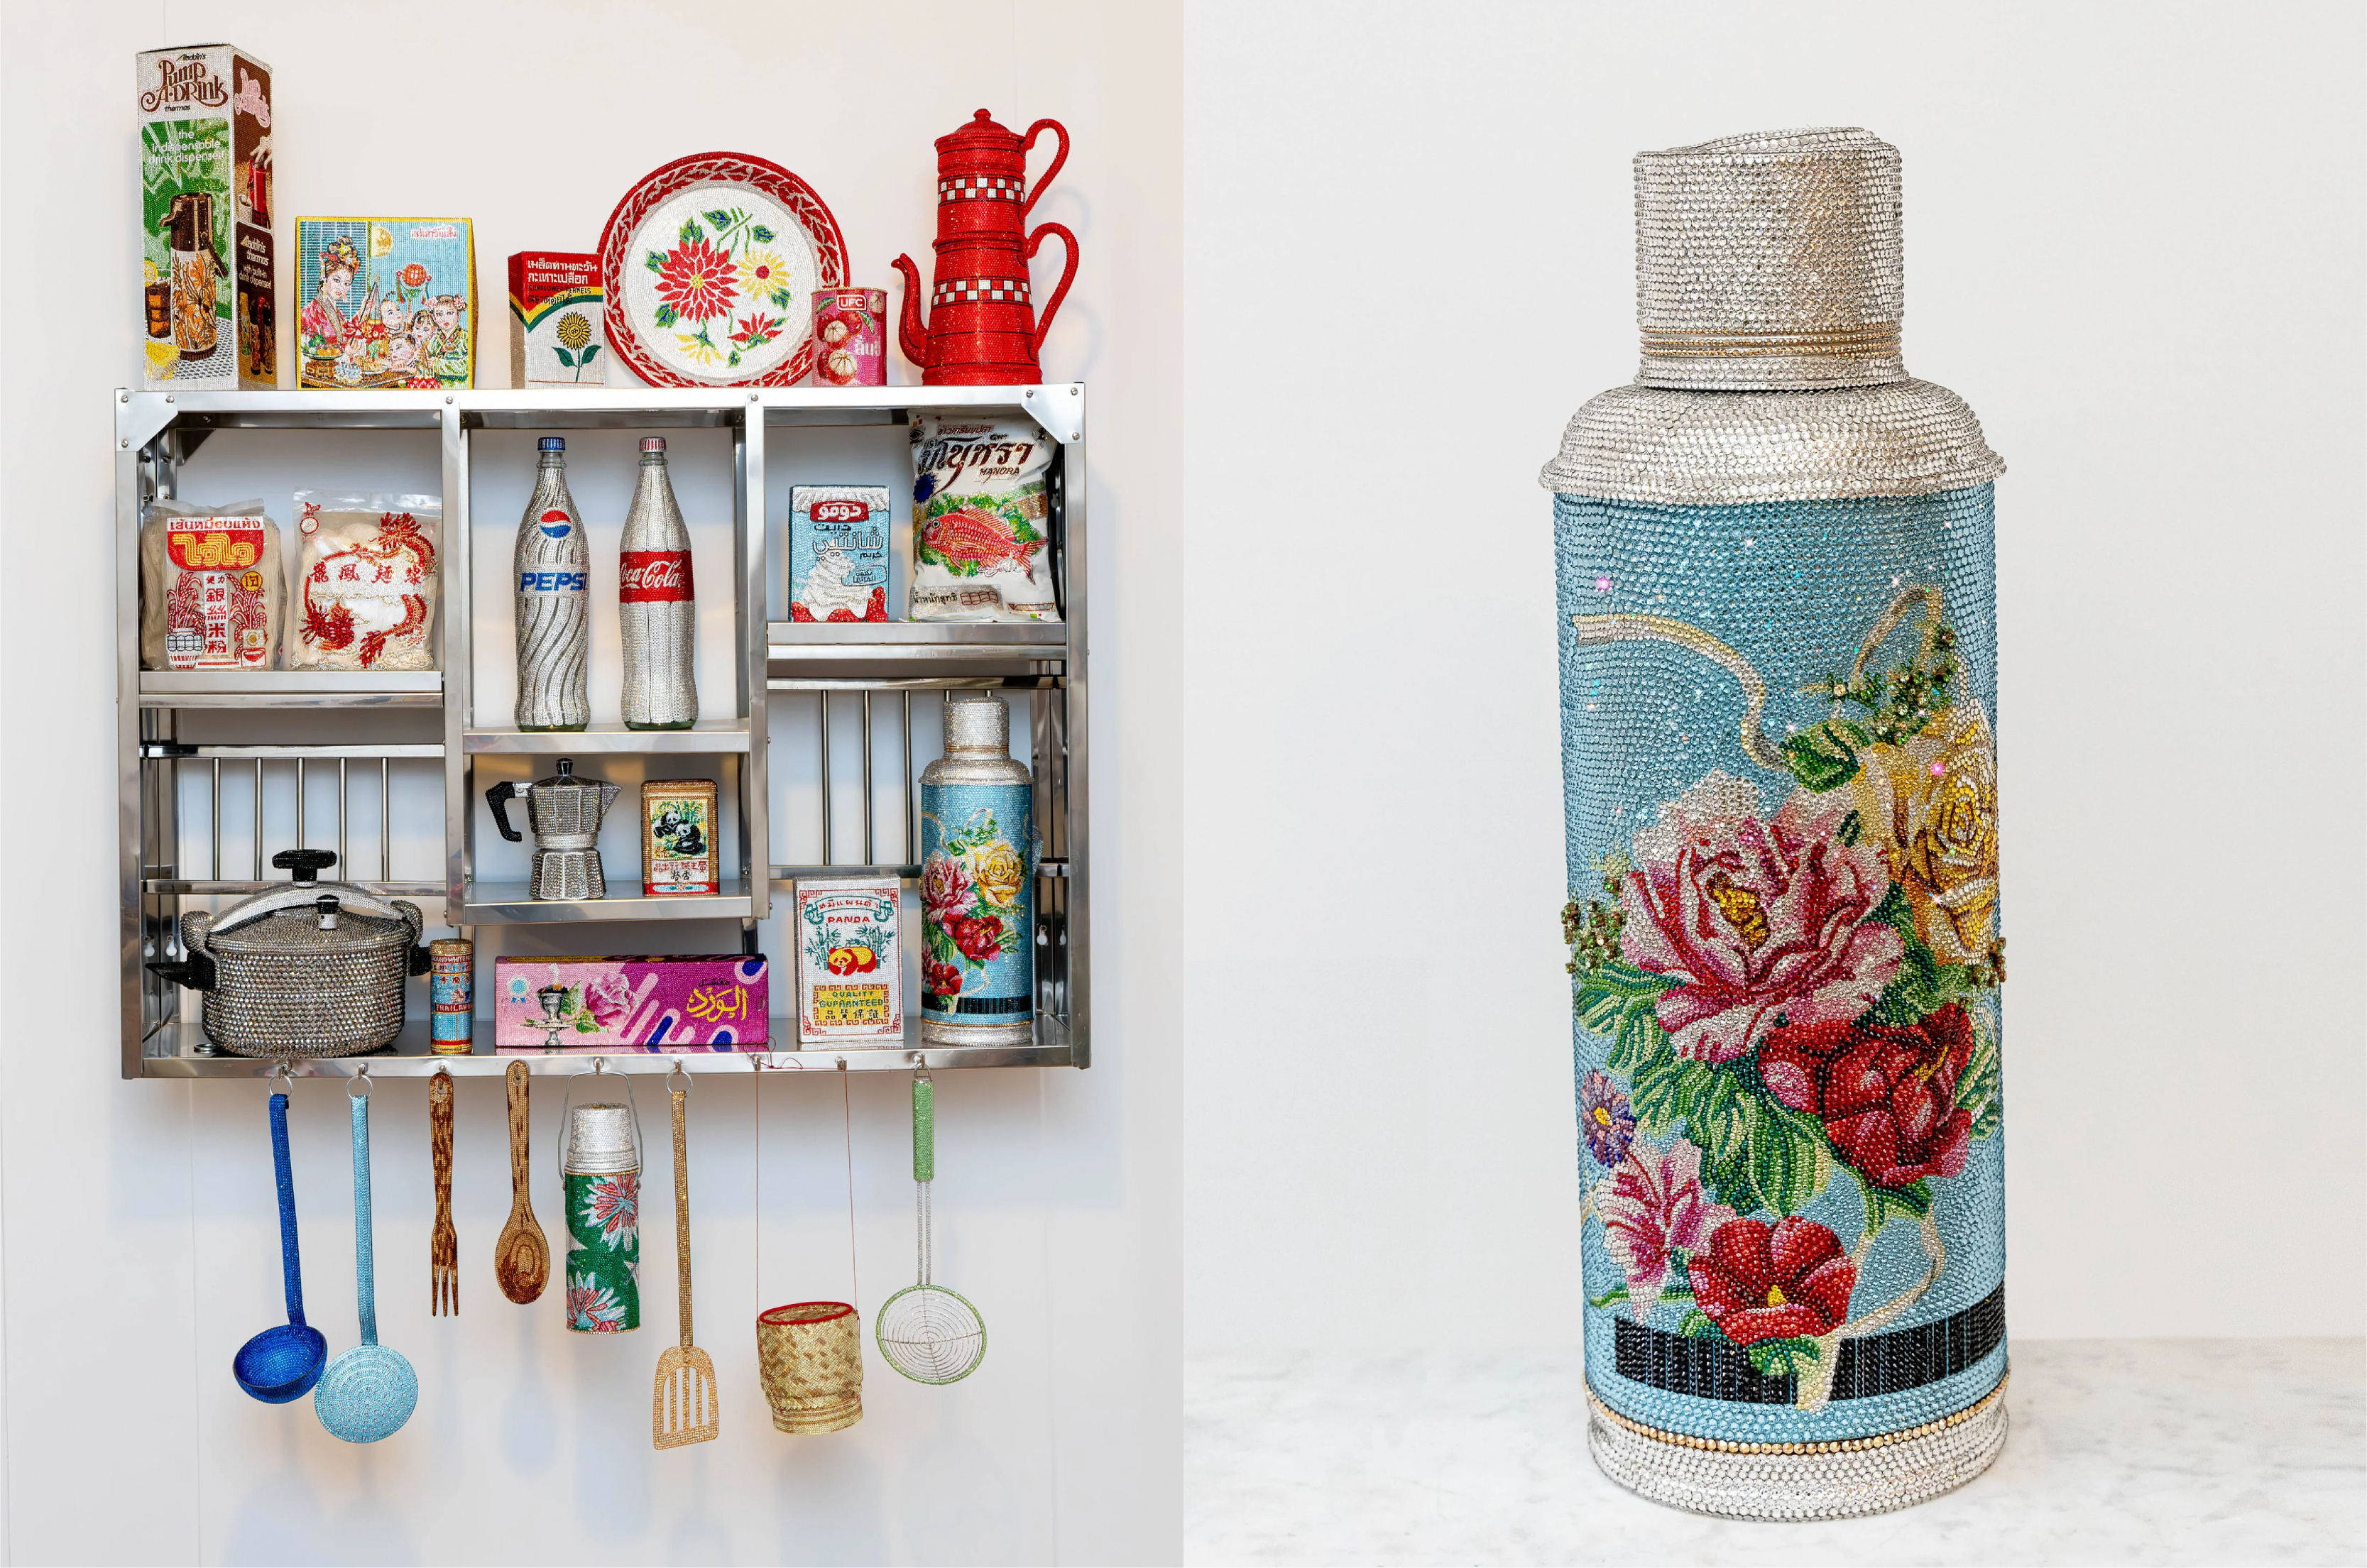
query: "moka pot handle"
499, 798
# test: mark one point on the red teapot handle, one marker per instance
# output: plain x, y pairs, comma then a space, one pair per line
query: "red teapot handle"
1059, 158
1067, 274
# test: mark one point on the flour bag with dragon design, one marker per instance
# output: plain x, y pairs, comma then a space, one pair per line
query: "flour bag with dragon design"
1776, 563
364, 596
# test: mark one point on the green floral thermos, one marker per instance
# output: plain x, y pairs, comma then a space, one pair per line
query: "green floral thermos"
600, 1167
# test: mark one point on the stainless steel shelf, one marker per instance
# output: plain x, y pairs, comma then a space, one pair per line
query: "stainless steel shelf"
785, 875
490, 903
708, 736
289, 688
178, 1051
159, 867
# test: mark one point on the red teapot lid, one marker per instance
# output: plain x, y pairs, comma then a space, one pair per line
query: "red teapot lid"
981, 132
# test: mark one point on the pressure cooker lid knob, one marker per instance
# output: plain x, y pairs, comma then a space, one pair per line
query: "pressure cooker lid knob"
307, 865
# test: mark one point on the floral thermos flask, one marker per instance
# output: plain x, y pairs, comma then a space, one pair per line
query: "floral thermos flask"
600, 1174
1776, 563
978, 903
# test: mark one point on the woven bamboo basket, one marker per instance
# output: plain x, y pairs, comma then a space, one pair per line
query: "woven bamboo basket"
810, 1357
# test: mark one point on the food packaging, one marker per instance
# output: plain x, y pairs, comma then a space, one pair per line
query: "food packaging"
556, 320
205, 219
451, 995
850, 962
645, 1001
981, 528
387, 303
213, 587
365, 581
678, 838
838, 552
850, 337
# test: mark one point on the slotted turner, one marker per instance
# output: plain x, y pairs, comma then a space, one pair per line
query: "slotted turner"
682, 1405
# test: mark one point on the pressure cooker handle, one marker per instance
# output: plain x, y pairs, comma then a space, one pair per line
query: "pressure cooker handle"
197, 971
305, 865
499, 798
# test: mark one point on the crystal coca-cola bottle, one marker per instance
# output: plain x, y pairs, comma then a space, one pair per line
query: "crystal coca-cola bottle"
656, 609
554, 602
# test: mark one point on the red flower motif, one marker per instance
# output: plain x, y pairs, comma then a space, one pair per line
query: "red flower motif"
1886, 1095
755, 330
695, 279
981, 940
1781, 1281
940, 980
799, 614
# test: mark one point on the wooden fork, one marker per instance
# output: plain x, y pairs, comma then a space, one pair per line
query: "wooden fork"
444, 1248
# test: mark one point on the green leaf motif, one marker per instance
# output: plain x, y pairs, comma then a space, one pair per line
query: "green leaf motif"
760, 234
1784, 1358
665, 315
1823, 758
1883, 1204
1787, 1164
654, 262
585, 356
1611, 1297
564, 357
1979, 1087
691, 230
1697, 1325
720, 218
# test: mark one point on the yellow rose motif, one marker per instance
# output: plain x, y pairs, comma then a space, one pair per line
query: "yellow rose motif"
1929, 805
997, 870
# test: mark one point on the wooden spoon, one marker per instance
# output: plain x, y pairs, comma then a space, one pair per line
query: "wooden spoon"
521, 1257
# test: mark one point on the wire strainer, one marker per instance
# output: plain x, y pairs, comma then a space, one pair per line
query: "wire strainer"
926, 1332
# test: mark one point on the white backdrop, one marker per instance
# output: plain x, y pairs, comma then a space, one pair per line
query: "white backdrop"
2133, 244
138, 1231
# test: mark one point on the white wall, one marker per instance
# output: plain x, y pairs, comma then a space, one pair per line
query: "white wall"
138, 1225
2133, 244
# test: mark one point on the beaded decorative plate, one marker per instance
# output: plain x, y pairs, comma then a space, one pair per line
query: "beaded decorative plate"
711, 262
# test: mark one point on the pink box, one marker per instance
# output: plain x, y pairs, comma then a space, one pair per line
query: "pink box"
638, 1001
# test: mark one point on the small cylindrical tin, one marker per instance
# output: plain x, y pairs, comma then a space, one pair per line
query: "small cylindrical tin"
452, 995
850, 328
601, 1165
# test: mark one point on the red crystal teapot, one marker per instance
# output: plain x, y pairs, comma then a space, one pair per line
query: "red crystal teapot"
983, 329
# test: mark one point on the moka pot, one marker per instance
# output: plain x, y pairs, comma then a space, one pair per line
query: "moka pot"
565, 812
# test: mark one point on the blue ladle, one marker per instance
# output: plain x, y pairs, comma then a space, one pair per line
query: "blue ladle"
369, 1392
284, 1362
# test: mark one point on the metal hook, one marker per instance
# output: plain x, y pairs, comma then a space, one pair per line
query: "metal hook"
283, 1079
677, 1071
361, 1079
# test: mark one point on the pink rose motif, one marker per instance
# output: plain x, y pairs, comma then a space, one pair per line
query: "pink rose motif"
1755, 918
1654, 1202
608, 999
945, 890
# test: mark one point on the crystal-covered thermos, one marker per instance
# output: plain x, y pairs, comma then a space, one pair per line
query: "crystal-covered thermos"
978, 893
1776, 557
600, 1171
656, 608
554, 602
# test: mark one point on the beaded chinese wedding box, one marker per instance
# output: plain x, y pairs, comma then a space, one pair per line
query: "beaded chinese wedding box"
1776, 563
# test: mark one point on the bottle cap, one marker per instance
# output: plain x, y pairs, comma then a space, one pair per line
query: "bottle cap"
552, 444
653, 443
977, 722
1770, 261
600, 1139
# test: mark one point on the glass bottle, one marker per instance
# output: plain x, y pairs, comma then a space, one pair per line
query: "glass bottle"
656, 609
554, 602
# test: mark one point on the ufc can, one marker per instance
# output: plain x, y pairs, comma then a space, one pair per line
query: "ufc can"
850, 337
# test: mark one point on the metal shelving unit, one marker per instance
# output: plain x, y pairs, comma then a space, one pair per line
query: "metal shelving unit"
875, 667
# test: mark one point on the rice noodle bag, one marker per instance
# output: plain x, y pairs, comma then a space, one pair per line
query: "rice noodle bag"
981, 525
365, 576
213, 587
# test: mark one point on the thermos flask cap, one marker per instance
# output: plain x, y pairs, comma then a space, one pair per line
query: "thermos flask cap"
977, 722
600, 1139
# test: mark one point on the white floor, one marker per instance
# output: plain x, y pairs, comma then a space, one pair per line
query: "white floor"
2122, 1451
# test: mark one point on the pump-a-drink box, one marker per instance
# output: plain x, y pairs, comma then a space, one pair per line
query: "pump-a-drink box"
207, 292
558, 331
